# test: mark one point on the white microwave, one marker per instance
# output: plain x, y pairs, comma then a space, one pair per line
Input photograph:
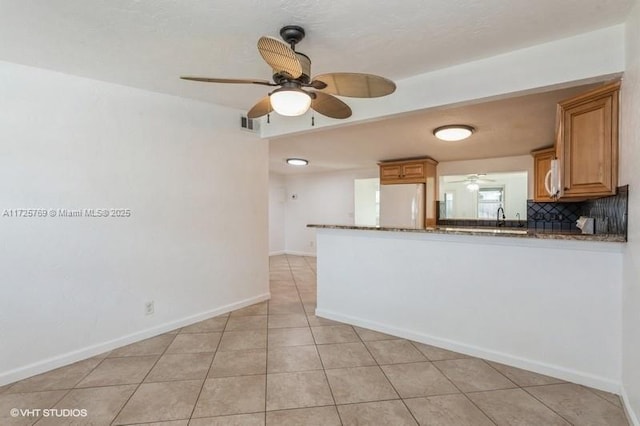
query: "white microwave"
552, 180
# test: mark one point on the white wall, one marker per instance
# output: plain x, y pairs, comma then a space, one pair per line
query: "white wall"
196, 241
277, 202
629, 162
366, 201
478, 295
320, 198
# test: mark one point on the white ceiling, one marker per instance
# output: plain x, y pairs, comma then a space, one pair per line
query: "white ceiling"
149, 43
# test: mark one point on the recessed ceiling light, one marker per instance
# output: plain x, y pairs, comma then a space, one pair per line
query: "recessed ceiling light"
297, 161
453, 132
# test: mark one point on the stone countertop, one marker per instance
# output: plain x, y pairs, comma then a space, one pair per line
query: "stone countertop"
488, 232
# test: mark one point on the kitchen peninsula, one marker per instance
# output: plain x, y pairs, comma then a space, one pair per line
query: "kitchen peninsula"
548, 303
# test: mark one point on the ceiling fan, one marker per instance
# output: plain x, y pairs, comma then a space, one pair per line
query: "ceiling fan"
292, 75
473, 181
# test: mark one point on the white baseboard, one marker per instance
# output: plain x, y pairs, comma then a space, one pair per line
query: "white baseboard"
631, 415
300, 253
93, 350
292, 253
563, 373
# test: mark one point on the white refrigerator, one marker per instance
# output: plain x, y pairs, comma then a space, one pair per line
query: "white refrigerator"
402, 206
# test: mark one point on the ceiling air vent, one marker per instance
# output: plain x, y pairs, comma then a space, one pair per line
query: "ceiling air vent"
249, 124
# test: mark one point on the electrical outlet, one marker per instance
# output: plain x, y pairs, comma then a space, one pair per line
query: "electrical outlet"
149, 308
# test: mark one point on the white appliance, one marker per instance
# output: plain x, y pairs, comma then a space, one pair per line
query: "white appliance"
552, 180
402, 206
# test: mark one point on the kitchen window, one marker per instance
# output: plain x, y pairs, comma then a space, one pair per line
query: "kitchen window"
489, 200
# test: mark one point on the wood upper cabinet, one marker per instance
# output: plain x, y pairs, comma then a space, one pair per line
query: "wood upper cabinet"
410, 171
587, 144
541, 166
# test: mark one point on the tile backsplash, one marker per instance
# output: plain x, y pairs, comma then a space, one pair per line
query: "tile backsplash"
610, 214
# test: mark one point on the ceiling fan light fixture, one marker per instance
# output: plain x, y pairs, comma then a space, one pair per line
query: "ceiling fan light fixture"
473, 187
453, 132
297, 161
290, 101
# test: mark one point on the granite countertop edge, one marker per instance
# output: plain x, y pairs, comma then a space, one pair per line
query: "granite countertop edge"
490, 232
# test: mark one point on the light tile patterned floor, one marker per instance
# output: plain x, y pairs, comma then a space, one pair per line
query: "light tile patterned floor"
276, 363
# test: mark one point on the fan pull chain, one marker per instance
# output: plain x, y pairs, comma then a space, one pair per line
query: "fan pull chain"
313, 120
268, 118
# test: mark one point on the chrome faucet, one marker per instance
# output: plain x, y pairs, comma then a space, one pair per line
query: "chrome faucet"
500, 221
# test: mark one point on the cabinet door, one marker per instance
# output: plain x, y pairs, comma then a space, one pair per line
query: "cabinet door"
413, 171
588, 145
541, 165
391, 172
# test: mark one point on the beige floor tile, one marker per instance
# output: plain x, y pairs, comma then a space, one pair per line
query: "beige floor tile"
239, 363
26, 401
316, 416
290, 337
231, 395
180, 367
471, 375
334, 334
283, 308
433, 353
308, 296
293, 358
418, 379
60, 378
297, 390
240, 340
119, 371
153, 346
381, 413
257, 322
256, 419
515, 407
169, 423
341, 355
359, 384
523, 377
257, 309
394, 351
447, 410
611, 397
155, 402
207, 326
315, 321
579, 405
191, 343
288, 321
102, 405
371, 336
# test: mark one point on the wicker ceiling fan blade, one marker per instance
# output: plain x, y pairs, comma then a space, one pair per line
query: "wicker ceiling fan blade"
263, 107
329, 105
280, 57
355, 85
228, 80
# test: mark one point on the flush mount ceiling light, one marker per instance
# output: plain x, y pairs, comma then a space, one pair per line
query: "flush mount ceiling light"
290, 101
453, 132
297, 161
